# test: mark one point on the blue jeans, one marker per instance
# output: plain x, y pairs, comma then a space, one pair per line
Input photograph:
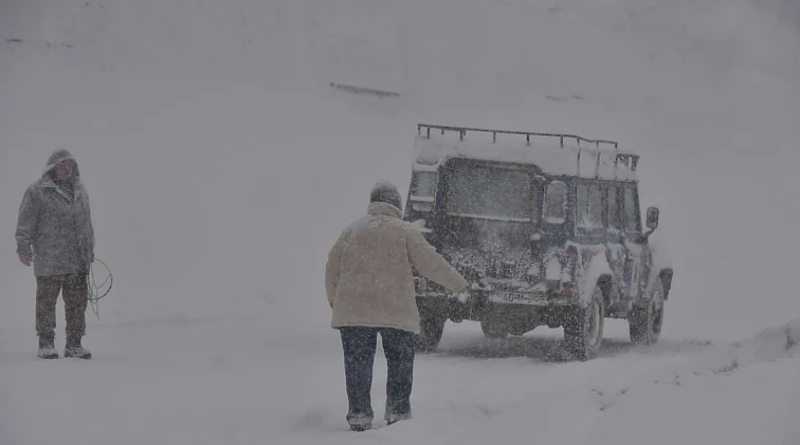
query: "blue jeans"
360, 344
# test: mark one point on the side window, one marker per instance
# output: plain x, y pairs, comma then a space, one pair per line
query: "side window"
589, 204
424, 184
423, 190
613, 208
555, 202
631, 211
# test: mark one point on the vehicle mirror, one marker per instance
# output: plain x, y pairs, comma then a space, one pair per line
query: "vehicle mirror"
652, 218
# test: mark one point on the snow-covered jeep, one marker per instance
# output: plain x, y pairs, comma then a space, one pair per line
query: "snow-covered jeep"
547, 228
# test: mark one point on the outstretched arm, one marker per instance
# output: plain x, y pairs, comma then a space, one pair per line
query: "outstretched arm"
431, 264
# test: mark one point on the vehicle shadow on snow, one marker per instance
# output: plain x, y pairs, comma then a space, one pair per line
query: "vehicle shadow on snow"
544, 349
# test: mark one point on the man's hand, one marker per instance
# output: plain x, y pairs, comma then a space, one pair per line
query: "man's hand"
462, 296
25, 259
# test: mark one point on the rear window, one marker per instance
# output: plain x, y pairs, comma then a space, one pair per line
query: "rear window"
490, 192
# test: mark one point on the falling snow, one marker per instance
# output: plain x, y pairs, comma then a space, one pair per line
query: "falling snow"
221, 166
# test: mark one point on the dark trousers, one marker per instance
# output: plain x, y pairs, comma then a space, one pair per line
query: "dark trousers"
360, 344
75, 291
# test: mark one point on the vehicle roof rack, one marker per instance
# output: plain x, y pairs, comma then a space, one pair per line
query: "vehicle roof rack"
629, 159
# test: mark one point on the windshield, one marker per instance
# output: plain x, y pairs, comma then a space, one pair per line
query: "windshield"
482, 191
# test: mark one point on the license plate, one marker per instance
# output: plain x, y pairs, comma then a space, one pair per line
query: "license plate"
516, 297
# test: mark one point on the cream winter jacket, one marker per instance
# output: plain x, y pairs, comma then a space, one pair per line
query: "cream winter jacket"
368, 277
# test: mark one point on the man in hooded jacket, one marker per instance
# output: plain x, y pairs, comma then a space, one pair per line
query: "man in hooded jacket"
370, 287
55, 234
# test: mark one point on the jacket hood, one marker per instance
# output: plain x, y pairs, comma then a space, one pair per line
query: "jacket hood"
384, 209
59, 156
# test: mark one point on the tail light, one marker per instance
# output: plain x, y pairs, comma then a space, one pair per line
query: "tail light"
566, 289
568, 272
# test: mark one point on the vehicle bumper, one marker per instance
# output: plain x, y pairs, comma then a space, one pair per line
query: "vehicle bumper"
541, 299
501, 297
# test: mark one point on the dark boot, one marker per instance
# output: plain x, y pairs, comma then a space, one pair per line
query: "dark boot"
47, 347
74, 348
359, 427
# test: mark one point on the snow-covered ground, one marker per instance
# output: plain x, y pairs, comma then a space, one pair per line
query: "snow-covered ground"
232, 380
221, 166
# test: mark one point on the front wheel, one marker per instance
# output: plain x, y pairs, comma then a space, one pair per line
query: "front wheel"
645, 322
583, 330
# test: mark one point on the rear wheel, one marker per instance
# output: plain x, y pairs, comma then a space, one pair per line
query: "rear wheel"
431, 327
645, 322
583, 330
492, 329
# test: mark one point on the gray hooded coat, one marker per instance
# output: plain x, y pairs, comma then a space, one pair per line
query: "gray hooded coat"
54, 226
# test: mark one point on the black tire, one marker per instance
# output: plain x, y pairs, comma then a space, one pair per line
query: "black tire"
583, 330
492, 329
431, 326
645, 322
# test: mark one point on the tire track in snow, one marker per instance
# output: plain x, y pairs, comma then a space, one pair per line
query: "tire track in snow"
476, 396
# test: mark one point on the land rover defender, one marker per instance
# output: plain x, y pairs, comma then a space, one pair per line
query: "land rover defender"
547, 229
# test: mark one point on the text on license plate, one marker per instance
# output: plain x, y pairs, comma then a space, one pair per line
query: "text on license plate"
516, 297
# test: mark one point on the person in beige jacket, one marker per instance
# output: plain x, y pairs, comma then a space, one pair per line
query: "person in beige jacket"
370, 287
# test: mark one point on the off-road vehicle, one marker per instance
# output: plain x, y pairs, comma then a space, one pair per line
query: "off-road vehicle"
546, 227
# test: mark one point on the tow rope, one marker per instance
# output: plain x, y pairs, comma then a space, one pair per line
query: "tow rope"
97, 292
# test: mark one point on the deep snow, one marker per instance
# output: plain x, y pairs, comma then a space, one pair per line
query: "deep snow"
221, 166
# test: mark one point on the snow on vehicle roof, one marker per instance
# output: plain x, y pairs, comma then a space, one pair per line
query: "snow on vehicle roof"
575, 158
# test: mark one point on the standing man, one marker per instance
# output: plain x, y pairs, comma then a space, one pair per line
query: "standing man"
370, 287
55, 233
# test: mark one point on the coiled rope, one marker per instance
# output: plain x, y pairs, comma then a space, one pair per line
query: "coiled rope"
96, 292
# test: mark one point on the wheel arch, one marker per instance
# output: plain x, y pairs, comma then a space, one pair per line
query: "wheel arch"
660, 268
606, 283
665, 275
598, 273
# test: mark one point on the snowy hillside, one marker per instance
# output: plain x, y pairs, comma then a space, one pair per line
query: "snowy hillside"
221, 165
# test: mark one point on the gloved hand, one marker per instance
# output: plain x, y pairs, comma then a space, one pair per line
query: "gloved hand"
463, 296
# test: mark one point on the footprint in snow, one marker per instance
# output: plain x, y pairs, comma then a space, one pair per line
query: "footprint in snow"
607, 402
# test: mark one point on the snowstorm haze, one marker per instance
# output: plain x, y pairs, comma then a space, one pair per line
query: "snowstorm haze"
221, 167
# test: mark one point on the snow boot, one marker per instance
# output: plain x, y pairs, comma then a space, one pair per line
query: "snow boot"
74, 349
47, 347
359, 422
395, 417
